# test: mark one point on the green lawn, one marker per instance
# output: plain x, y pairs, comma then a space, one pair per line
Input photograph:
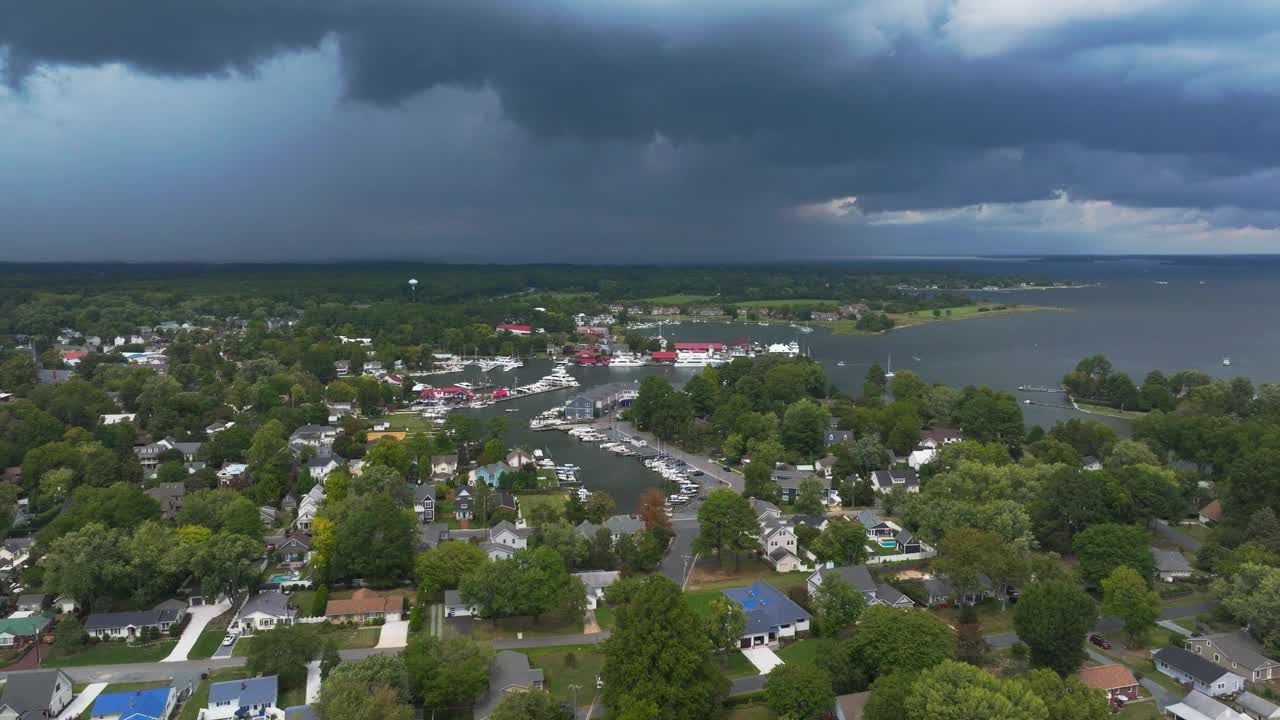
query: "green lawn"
749, 712
736, 665
200, 696
1139, 711
1109, 411
711, 573
406, 422
569, 665
700, 601
785, 303
207, 644
549, 625
529, 501
347, 638
1195, 532
605, 617
990, 619
879, 549
679, 299
800, 651
112, 653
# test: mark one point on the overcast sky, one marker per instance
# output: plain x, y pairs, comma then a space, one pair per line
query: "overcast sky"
633, 130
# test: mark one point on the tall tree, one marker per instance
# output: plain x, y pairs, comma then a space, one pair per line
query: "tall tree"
841, 542
810, 500
1125, 595
837, 605
657, 660
956, 691
447, 672
1067, 698
965, 556
443, 567
1052, 618
891, 638
227, 564
724, 519
725, 625
1102, 548
284, 652
799, 692
600, 506
532, 705
653, 509
86, 563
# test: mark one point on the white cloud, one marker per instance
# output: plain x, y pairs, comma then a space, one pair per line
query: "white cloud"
1103, 221
992, 27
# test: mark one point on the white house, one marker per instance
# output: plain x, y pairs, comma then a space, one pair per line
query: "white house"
771, 615
35, 695
1199, 706
1199, 672
444, 465
504, 533
263, 611
596, 584
780, 545
1170, 565
247, 698
454, 606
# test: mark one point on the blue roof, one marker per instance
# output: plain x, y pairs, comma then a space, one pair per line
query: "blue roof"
250, 691
766, 607
134, 704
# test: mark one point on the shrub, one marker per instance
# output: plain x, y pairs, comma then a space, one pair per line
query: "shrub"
1018, 649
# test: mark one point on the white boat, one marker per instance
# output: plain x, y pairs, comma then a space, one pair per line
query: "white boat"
1226, 362
625, 360
889, 372
840, 364
694, 358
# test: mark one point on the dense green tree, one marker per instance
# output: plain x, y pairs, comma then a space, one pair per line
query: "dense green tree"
531, 582
1068, 698
227, 564
600, 506
725, 625
87, 563
659, 659
1252, 595
1125, 595
377, 671
956, 691
989, 416
443, 567
533, 705
837, 605
799, 692
269, 462
1052, 618
811, 499
841, 542
449, 671
803, 426
891, 638
724, 519
284, 651
889, 695
1102, 548
376, 538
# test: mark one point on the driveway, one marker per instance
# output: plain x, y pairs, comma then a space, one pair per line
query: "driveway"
394, 634
82, 701
762, 657
224, 651
313, 681
200, 617
1185, 542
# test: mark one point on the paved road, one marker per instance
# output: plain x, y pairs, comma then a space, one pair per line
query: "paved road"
749, 684
1004, 640
678, 562
581, 639
1185, 542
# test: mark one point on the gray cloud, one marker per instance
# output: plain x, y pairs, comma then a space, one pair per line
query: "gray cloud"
711, 119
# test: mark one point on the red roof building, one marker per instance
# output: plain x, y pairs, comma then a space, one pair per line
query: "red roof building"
514, 329
74, 355
699, 346
663, 356
456, 393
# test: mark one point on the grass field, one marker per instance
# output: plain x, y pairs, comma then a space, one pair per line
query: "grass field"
1195, 532
710, 573
113, 653
990, 619
1139, 711
347, 638
605, 617
548, 625
749, 712
529, 501
207, 644
802, 651
920, 317
569, 665
679, 299
1109, 411
406, 422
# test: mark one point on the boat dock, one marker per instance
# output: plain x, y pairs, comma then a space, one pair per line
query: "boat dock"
1040, 388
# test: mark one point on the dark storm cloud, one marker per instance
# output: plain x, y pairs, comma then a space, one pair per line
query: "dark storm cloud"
904, 103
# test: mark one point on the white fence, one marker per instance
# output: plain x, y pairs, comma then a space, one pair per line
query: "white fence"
925, 553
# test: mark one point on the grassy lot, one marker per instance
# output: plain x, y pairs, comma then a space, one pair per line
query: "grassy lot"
207, 644
112, 653
679, 299
605, 617
347, 638
529, 501
749, 712
710, 573
990, 619
801, 651
569, 665
1139, 711
405, 422
200, 696
700, 601
1195, 532
1109, 411
736, 665
784, 303
920, 317
549, 625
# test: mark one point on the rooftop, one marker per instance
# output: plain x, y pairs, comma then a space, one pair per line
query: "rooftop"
1189, 663
133, 704
1107, 677
765, 606
250, 691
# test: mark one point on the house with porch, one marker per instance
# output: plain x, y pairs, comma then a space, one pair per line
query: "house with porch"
366, 605
487, 474
292, 550
883, 481
263, 611
22, 628
128, 625
876, 526
444, 465
43, 694
771, 615
463, 504
424, 501
1170, 565
780, 546
939, 590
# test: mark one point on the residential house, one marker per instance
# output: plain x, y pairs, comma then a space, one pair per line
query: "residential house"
826, 467
494, 551
837, 437
268, 516
366, 605
503, 501
169, 495
508, 535
852, 706
1116, 680
1197, 672
1211, 514
939, 590
463, 504
1091, 463
32, 602
934, 439
431, 535
444, 465
233, 475
424, 501
263, 611
520, 457
454, 606
116, 418
65, 604
291, 549
342, 368
600, 400
487, 474
876, 526
780, 546
1256, 708
21, 628
771, 615
217, 427
150, 704
618, 525
1237, 652
322, 462
513, 329
788, 482
289, 503
339, 410
509, 673
14, 552
308, 506
764, 509
128, 625
885, 480
1199, 706
597, 583
250, 697
816, 522
1170, 565
315, 436
42, 694
859, 578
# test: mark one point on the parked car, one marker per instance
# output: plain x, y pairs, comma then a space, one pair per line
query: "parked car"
1100, 641
228, 640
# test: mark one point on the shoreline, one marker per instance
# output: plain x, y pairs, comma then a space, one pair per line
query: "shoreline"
846, 327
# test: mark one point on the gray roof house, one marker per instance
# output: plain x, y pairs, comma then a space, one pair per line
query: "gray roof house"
885, 480
940, 590
263, 612
618, 525
253, 696
116, 625
510, 672
1257, 708
1198, 706
1238, 652
33, 694
1199, 672
771, 615
859, 577
837, 437
877, 526
1170, 564
169, 495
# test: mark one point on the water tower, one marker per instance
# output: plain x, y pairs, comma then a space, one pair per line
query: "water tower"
413, 289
